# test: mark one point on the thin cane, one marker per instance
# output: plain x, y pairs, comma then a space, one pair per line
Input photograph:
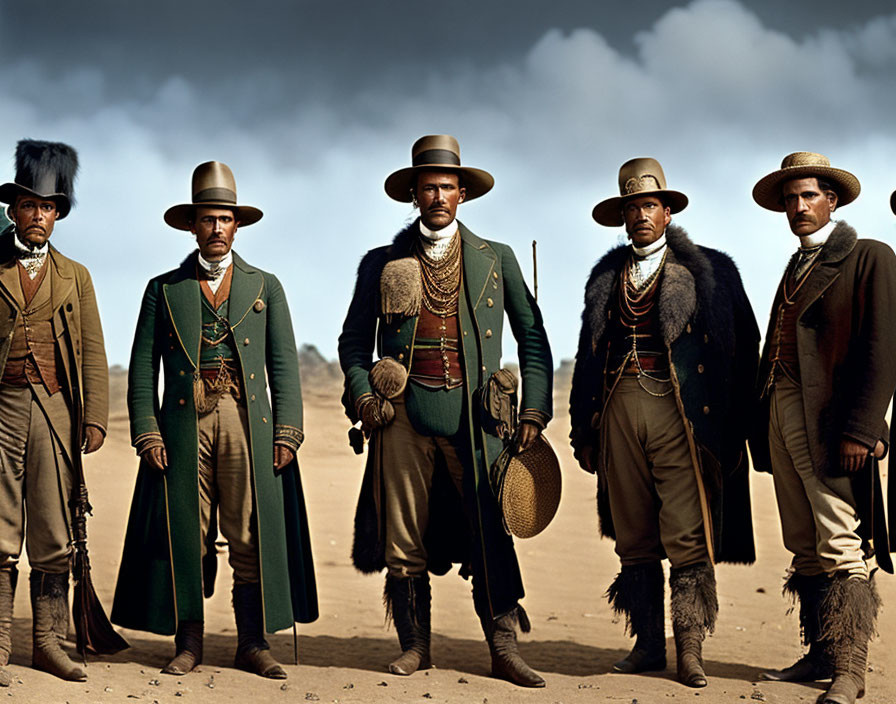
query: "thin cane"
295, 644
535, 267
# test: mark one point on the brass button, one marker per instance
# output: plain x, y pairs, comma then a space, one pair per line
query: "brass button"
252, 375
401, 355
465, 333
398, 330
705, 337
246, 341
182, 402
181, 372
495, 274
483, 367
706, 410
264, 420
489, 302
488, 333
700, 369
688, 328
252, 397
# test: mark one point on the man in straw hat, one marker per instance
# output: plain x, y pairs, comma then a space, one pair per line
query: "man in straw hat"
829, 332
663, 377
217, 452
434, 303
54, 395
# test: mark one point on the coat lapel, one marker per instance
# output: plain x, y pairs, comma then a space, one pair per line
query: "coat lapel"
62, 278
182, 296
838, 246
479, 263
246, 288
9, 281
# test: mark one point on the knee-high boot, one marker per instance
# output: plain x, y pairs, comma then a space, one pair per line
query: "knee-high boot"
187, 648
500, 633
638, 593
49, 604
9, 575
694, 609
408, 600
253, 653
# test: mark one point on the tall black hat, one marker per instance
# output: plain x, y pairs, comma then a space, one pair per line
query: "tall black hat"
45, 170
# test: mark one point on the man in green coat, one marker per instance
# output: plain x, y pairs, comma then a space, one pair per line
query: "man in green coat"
216, 453
433, 303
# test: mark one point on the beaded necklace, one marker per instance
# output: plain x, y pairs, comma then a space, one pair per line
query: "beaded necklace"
440, 277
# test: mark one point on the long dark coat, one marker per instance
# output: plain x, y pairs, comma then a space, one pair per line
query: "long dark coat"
162, 579
492, 286
846, 343
713, 342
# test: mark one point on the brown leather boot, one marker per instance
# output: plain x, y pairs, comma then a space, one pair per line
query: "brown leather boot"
187, 648
507, 663
637, 593
409, 600
49, 597
252, 651
8, 577
694, 609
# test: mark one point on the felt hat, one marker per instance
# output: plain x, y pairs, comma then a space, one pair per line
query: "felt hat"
44, 170
893, 202
437, 152
637, 178
767, 192
213, 187
527, 486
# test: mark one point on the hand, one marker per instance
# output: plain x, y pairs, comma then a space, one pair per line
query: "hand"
93, 439
583, 455
156, 457
282, 456
853, 455
880, 449
526, 435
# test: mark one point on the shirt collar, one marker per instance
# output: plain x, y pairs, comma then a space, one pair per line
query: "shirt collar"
819, 237
219, 267
436, 235
24, 250
651, 250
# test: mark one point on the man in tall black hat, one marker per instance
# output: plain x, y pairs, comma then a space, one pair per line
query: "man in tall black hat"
54, 395
660, 391
827, 375
433, 303
218, 451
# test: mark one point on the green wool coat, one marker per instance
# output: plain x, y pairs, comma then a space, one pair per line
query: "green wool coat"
492, 286
161, 580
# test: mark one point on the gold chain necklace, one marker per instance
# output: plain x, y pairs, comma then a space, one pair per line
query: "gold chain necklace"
441, 278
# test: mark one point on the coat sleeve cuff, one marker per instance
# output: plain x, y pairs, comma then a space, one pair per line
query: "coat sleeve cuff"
288, 436
98, 426
146, 441
533, 415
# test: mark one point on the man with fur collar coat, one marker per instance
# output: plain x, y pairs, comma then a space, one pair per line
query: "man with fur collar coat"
662, 383
433, 304
825, 380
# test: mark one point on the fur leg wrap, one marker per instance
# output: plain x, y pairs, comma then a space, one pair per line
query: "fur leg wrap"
849, 615
638, 594
408, 603
694, 606
49, 606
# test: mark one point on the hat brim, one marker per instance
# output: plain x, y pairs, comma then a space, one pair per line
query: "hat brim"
476, 182
767, 192
530, 490
10, 191
609, 212
893, 202
180, 217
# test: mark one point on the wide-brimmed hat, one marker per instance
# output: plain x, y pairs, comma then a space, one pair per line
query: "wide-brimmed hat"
638, 178
213, 187
767, 192
893, 202
437, 152
527, 486
45, 170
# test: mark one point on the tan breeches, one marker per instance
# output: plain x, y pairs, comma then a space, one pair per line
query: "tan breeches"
818, 515
651, 480
408, 462
35, 478
225, 480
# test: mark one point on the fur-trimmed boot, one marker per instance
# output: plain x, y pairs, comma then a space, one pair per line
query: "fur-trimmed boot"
187, 648
9, 575
638, 593
507, 663
49, 605
816, 664
253, 653
694, 610
408, 600
848, 617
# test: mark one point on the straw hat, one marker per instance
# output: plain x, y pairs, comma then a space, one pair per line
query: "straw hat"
437, 152
213, 187
527, 486
637, 178
767, 192
44, 170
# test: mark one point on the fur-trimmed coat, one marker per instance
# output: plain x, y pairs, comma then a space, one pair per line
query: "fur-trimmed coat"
712, 340
846, 344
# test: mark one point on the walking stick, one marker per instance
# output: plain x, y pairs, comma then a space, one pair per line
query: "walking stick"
535, 268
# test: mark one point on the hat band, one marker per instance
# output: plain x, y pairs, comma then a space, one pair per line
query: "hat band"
436, 156
214, 194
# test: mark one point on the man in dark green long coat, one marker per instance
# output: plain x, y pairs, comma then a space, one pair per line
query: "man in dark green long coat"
217, 452
433, 303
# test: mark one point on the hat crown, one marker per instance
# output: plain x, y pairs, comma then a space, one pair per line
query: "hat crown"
639, 175
436, 149
213, 182
804, 159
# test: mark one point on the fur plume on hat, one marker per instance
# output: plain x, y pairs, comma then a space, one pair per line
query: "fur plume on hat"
35, 158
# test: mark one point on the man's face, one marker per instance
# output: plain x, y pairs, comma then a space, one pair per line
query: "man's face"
214, 229
646, 219
34, 219
438, 195
808, 208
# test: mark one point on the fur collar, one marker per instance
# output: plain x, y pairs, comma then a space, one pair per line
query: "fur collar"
841, 242
686, 289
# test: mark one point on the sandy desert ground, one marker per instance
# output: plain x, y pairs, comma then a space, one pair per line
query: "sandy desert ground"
343, 656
